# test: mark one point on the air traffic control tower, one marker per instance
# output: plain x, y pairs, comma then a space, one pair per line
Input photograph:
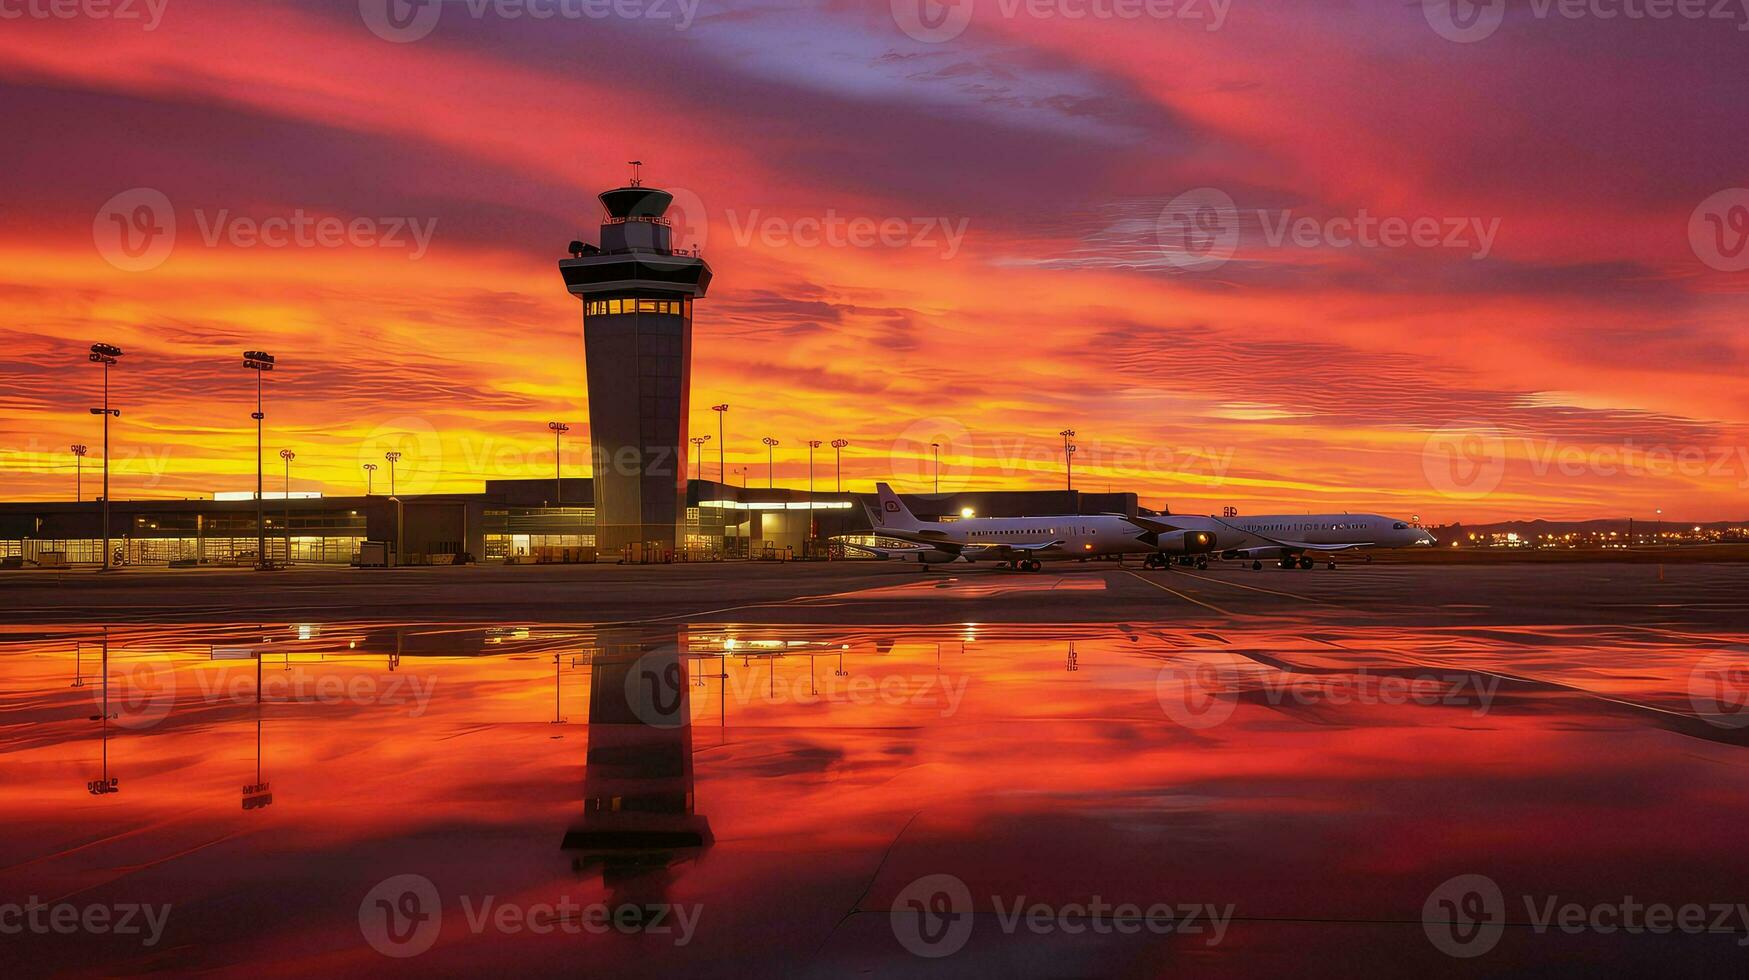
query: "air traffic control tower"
637, 292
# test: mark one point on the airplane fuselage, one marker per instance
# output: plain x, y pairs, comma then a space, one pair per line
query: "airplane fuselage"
1278, 535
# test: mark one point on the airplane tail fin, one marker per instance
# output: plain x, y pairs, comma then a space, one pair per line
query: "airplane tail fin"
892, 512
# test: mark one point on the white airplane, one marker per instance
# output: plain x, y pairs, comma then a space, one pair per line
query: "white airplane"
1022, 542
1294, 538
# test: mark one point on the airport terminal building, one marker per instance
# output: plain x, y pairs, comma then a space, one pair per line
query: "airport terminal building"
508, 520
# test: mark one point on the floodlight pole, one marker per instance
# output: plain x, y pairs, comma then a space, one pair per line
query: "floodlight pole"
722, 473
288, 456
770, 462
106, 355
559, 428
699, 442
260, 362
260, 505
1068, 457
838, 454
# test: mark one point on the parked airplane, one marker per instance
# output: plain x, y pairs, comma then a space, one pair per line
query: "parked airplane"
1294, 538
1022, 542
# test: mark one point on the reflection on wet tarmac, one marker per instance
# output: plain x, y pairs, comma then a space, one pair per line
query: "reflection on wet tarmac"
897, 800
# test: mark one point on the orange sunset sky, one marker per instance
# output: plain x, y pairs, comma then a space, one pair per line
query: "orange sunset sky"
1582, 358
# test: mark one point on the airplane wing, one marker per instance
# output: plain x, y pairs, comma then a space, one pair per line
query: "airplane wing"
932, 539
888, 552
984, 552
1305, 546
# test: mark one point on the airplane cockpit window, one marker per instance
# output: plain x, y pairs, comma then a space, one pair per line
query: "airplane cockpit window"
1400, 526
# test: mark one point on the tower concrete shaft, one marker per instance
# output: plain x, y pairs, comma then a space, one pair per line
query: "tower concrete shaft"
637, 292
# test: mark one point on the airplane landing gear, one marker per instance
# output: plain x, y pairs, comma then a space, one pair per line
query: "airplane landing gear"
1256, 566
1288, 563
1331, 566
1306, 563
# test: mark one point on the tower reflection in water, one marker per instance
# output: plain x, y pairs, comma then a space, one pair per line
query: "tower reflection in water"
638, 824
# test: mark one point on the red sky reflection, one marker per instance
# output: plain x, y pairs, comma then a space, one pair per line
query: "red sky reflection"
1334, 780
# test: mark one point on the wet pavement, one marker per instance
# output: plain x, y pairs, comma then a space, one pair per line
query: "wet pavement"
1418, 776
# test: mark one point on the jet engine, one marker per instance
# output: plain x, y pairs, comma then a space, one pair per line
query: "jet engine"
1186, 542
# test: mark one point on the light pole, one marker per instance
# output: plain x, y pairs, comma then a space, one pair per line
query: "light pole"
393, 457
721, 411
770, 462
699, 441
1658, 527
1068, 456
559, 429
260, 362
813, 444
106, 355
79, 451
935, 451
370, 474
838, 452
288, 456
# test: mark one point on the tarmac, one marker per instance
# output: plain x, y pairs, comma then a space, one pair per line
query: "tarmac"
891, 593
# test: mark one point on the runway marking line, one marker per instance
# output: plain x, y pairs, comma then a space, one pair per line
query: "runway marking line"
1162, 588
1254, 588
